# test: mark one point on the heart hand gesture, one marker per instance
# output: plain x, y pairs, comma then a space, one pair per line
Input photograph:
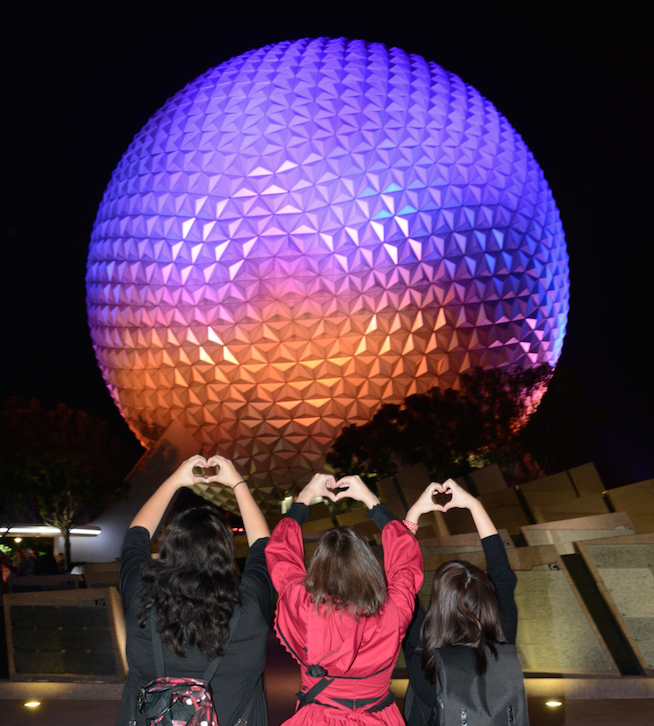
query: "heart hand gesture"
185, 476
461, 499
319, 486
352, 487
226, 475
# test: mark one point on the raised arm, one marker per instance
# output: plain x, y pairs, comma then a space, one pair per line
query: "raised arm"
151, 513
463, 500
499, 569
254, 522
285, 549
425, 503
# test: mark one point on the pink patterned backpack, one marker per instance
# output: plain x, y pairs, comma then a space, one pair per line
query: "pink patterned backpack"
181, 701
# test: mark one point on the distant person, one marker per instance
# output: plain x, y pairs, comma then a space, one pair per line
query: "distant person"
474, 614
16, 561
341, 619
191, 591
5, 567
29, 565
48, 564
62, 565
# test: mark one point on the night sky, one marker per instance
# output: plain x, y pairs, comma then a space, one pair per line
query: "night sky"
574, 79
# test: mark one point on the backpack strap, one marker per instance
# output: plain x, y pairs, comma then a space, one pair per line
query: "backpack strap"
304, 699
315, 671
212, 667
310, 697
156, 646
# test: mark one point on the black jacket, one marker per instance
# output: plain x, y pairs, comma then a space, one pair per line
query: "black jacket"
418, 708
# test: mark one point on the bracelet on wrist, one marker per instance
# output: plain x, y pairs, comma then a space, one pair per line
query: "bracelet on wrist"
240, 482
412, 526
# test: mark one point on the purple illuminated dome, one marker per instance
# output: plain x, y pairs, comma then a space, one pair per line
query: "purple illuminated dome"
307, 231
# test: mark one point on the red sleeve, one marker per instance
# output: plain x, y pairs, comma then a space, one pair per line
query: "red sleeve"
285, 558
404, 567
285, 555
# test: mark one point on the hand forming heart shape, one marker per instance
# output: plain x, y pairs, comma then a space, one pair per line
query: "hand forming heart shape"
206, 472
338, 489
442, 495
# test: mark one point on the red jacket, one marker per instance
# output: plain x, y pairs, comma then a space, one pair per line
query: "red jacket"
365, 650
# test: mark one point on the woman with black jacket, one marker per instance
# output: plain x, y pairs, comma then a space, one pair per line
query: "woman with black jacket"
193, 592
468, 608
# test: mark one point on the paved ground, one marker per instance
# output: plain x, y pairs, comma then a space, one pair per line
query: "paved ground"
631, 712
283, 681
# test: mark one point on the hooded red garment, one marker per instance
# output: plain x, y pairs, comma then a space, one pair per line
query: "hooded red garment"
363, 651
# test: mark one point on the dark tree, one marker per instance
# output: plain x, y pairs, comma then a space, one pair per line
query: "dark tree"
61, 464
452, 431
505, 401
562, 433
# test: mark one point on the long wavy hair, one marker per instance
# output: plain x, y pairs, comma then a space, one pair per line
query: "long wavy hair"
194, 585
344, 574
464, 610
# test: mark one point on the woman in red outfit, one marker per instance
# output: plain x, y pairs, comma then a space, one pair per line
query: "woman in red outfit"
342, 621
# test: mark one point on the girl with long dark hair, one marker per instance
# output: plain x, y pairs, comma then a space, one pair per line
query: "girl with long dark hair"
192, 592
468, 608
343, 619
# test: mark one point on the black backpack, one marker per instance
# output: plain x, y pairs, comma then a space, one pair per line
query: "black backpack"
496, 698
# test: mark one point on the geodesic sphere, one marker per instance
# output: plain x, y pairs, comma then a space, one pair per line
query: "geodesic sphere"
310, 230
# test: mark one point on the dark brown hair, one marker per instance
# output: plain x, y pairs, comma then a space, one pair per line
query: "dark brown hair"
463, 611
194, 585
345, 574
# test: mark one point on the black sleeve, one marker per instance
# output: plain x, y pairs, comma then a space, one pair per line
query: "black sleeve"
299, 512
504, 580
256, 578
134, 552
412, 639
380, 515
424, 692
